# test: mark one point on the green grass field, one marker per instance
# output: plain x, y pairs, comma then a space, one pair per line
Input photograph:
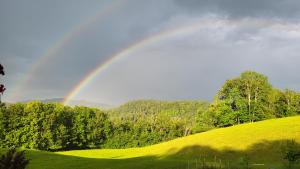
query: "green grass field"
261, 142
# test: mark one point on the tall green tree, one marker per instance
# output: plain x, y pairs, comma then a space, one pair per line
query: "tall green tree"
256, 88
242, 99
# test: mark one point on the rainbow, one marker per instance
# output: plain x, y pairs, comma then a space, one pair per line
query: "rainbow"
188, 29
60, 44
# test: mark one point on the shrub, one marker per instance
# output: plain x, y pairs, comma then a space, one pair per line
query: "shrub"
291, 152
13, 160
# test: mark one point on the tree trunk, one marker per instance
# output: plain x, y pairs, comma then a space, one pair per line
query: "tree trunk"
255, 100
187, 131
249, 105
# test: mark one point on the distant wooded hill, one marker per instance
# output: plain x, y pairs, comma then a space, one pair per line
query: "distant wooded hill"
75, 103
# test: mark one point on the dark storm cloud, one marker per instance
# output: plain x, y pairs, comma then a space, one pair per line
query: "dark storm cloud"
30, 25
288, 9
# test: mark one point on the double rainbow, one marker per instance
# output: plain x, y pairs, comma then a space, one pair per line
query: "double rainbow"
61, 43
188, 29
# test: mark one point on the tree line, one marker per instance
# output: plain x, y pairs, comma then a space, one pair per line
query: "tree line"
53, 126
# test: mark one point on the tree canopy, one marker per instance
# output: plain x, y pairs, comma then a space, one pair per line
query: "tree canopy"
250, 97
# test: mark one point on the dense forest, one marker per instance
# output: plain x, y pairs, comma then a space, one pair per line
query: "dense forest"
53, 126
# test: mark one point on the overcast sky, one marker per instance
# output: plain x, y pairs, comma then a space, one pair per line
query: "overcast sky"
48, 47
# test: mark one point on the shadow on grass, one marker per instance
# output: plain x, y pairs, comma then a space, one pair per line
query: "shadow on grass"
261, 155
266, 154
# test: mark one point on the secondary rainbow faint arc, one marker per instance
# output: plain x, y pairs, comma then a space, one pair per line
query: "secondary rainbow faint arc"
50, 53
131, 48
162, 35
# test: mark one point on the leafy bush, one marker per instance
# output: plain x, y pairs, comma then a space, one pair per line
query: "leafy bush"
13, 160
291, 152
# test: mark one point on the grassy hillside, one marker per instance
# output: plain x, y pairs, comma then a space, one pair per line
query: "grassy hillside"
261, 142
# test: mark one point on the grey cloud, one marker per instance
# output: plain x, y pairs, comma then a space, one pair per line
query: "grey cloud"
288, 9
